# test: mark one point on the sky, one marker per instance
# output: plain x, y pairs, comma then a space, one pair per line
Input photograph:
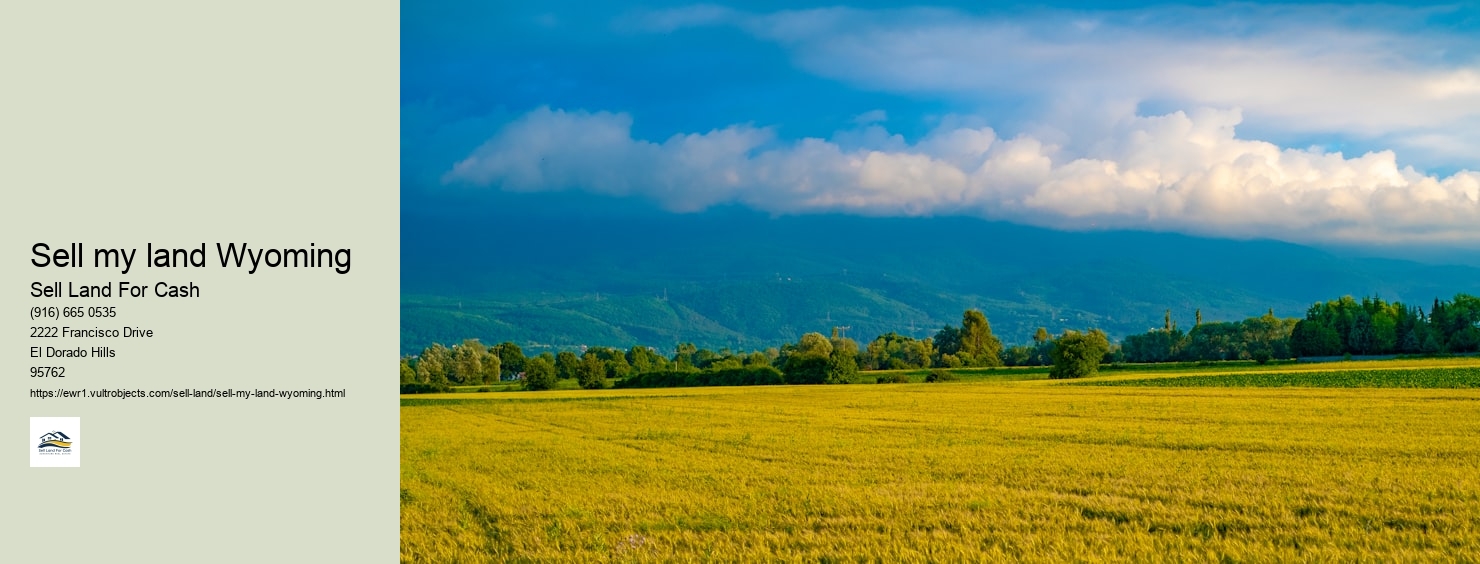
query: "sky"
1337, 125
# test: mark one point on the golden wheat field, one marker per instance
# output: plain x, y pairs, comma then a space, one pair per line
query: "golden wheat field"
961, 471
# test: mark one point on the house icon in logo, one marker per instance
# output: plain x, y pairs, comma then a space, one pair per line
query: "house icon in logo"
55, 439
61, 443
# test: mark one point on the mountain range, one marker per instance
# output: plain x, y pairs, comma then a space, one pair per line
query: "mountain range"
743, 280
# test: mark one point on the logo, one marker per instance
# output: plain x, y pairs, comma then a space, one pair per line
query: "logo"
55, 442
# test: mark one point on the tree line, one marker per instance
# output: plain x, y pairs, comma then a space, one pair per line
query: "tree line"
1374, 326
1342, 326
812, 359
1257, 338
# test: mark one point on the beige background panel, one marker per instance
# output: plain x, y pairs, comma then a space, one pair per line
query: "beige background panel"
180, 123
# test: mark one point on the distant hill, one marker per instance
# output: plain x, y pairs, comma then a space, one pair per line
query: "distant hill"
744, 280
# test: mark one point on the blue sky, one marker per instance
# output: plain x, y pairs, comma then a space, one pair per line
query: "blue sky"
1322, 124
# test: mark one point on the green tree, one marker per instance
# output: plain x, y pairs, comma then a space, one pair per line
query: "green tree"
539, 374
565, 365
1464, 313
1465, 340
1041, 336
492, 367
703, 358
1431, 344
1362, 338
431, 366
807, 361
892, 351
842, 362
591, 373
947, 341
1076, 355
1411, 342
919, 352
725, 362
1156, 345
815, 344
643, 359
805, 369
1384, 332
1311, 338
511, 357
1266, 336
408, 374
467, 362
683, 357
613, 360
757, 358
1020, 355
977, 340
1214, 341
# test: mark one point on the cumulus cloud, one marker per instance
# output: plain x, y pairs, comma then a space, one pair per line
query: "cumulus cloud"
1299, 69
1181, 171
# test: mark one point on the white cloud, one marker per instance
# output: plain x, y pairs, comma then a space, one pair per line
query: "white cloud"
557, 150
1181, 172
1298, 69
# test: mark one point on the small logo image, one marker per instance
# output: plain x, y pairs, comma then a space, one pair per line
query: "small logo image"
55, 440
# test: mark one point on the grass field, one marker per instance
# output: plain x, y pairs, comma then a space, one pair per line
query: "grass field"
1450, 377
983, 469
